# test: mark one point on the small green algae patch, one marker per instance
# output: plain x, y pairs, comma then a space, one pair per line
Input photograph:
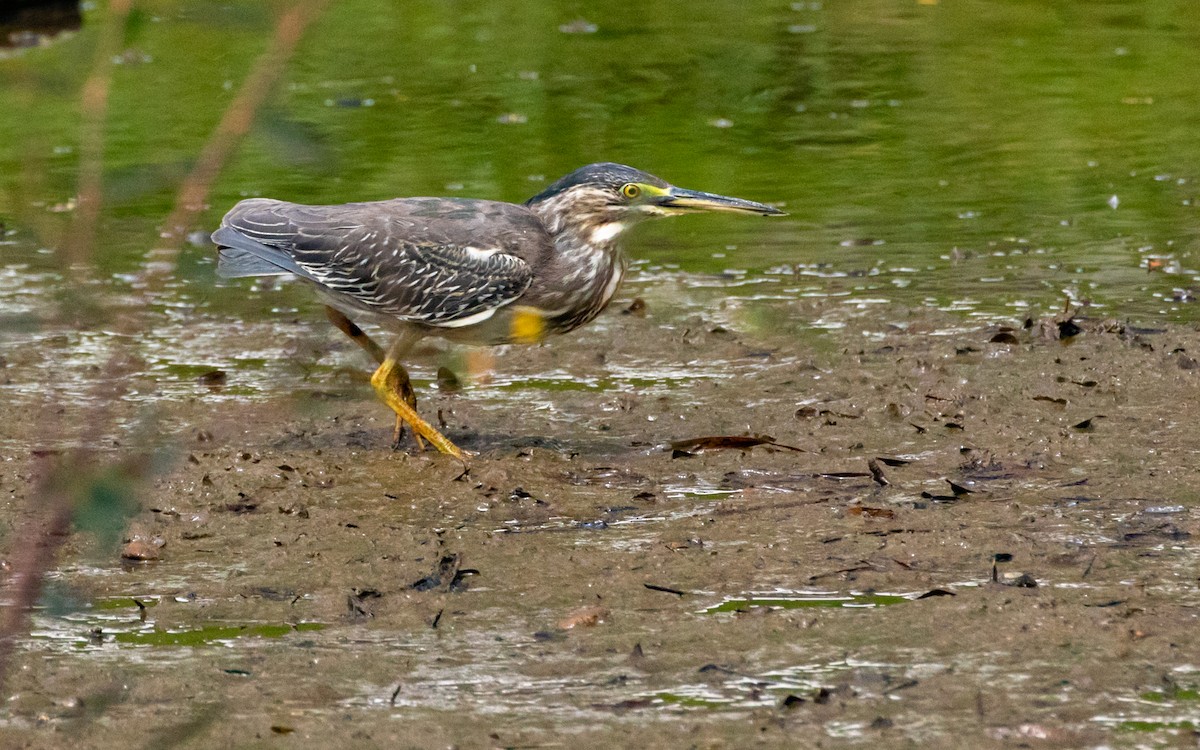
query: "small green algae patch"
801, 602
212, 634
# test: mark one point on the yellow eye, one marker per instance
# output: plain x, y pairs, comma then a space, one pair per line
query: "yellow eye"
631, 191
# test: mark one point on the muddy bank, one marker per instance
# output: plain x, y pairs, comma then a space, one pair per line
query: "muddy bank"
585, 581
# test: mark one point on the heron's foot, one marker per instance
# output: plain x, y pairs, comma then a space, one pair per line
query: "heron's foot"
399, 384
392, 385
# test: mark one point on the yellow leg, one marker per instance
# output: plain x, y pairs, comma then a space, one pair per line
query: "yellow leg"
392, 384
399, 384
402, 386
385, 381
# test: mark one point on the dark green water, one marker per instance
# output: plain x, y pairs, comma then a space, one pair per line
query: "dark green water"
961, 155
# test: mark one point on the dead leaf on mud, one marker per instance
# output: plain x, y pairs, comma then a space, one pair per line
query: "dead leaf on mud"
446, 576
869, 512
683, 448
930, 594
1018, 580
140, 550
877, 473
584, 617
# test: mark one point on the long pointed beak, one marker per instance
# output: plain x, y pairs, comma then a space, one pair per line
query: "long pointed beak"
678, 198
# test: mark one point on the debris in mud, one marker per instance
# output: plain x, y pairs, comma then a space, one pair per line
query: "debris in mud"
831, 416
1168, 531
637, 307
518, 494
213, 379
932, 593
446, 576
869, 512
1088, 424
694, 446
140, 550
445, 570
626, 705
447, 381
637, 657
1068, 328
1002, 557
1019, 580
1187, 363
584, 617
664, 589
1004, 336
357, 603
958, 489
839, 475
877, 473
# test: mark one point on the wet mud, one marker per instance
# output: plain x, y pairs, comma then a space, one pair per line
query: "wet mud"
679, 530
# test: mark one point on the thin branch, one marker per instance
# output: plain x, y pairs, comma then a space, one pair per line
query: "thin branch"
41, 536
81, 236
234, 125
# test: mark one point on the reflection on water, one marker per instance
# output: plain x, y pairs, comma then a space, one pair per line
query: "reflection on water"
29, 23
922, 164
990, 161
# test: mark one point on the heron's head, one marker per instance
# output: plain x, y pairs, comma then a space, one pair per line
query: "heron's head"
608, 197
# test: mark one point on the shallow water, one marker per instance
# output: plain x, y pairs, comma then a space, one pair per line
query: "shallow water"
950, 170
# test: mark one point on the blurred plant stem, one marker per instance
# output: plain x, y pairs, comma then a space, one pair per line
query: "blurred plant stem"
83, 490
234, 125
93, 105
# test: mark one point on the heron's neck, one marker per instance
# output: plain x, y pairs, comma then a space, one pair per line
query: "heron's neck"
580, 232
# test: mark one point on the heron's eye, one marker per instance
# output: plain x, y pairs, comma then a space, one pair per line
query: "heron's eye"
631, 191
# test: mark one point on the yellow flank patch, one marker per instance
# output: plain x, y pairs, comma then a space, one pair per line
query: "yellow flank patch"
528, 326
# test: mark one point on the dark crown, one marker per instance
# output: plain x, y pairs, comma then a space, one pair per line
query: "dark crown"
599, 175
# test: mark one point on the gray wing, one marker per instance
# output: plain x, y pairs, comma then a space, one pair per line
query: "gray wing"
438, 261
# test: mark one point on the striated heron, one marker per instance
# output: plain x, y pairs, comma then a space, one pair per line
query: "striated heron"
473, 271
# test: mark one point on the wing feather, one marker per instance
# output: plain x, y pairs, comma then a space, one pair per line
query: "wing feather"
442, 262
